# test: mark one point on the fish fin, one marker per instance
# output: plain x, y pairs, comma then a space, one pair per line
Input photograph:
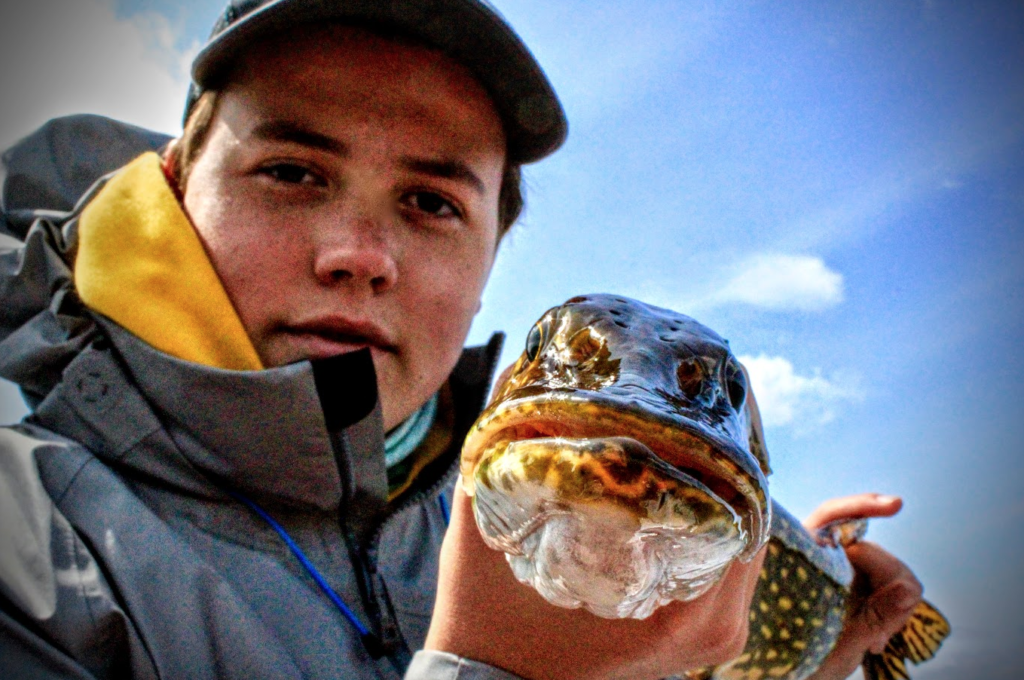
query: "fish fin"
699, 674
841, 532
920, 638
884, 666
924, 632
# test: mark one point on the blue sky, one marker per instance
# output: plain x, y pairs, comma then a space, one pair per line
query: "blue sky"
838, 188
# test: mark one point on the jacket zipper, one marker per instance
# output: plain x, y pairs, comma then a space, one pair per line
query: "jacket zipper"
385, 639
389, 641
493, 350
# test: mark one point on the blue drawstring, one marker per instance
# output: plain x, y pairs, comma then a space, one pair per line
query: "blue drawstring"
369, 639
443, 502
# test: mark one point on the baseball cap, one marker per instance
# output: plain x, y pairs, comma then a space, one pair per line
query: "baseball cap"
471, 32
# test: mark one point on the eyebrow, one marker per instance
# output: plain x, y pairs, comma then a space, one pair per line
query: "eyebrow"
285, 131
445, 169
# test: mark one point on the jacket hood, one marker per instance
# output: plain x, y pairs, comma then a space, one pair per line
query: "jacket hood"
128, 253
47, 179
43, 324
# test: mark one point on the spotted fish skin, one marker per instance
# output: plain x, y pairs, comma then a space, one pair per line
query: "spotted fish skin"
636, 423
798, 609
802, 599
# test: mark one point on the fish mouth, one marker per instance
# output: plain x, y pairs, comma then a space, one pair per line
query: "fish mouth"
714, 462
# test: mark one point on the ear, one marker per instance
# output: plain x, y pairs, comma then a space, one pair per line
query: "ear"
170, 155
171, 166
755, 431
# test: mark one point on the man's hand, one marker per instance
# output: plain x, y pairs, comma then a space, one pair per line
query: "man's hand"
887, 589
482, 612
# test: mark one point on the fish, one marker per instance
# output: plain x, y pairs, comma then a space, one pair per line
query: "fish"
621, 465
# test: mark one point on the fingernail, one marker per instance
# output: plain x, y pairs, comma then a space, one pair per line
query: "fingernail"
888, 499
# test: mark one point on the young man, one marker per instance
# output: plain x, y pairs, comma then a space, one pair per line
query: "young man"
216, 340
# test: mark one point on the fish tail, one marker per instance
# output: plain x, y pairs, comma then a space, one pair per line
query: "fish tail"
920, 638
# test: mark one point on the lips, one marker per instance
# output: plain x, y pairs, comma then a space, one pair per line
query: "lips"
331, 335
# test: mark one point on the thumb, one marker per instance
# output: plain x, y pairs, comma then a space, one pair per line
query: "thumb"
891, 593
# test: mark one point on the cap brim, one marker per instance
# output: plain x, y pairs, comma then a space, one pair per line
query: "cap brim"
466, 30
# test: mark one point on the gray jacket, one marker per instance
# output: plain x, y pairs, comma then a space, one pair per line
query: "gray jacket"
122, 552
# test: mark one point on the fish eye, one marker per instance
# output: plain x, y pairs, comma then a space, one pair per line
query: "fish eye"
534, 341
736, 381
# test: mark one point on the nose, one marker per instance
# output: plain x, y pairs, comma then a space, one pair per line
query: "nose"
356, 251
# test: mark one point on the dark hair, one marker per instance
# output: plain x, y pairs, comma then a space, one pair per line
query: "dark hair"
183, 155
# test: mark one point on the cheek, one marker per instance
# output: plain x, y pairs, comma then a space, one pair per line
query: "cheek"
248, 258
451, 298
462, 282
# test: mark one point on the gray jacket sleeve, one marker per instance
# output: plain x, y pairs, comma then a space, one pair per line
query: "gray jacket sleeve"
51, 625
26, 656
431, 665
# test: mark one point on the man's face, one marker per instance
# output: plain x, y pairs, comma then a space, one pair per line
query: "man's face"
347, 195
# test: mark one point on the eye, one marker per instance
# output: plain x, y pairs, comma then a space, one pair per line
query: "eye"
534, 341
291, 173
736, 382
432, 204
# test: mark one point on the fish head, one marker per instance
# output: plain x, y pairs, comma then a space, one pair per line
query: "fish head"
608, 367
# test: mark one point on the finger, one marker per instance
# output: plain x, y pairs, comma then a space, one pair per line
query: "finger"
887, 610
858, 506
894, 592
878, 568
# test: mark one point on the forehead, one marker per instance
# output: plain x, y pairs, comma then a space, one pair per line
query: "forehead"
339, 64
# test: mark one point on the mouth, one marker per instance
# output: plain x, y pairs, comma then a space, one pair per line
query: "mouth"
329, 336
603, 523
711, 464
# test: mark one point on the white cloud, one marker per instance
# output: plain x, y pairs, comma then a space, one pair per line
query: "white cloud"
783, 282
60, 57
802, 402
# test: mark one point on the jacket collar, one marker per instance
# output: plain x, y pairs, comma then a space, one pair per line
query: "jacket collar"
259, 432
203, 429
